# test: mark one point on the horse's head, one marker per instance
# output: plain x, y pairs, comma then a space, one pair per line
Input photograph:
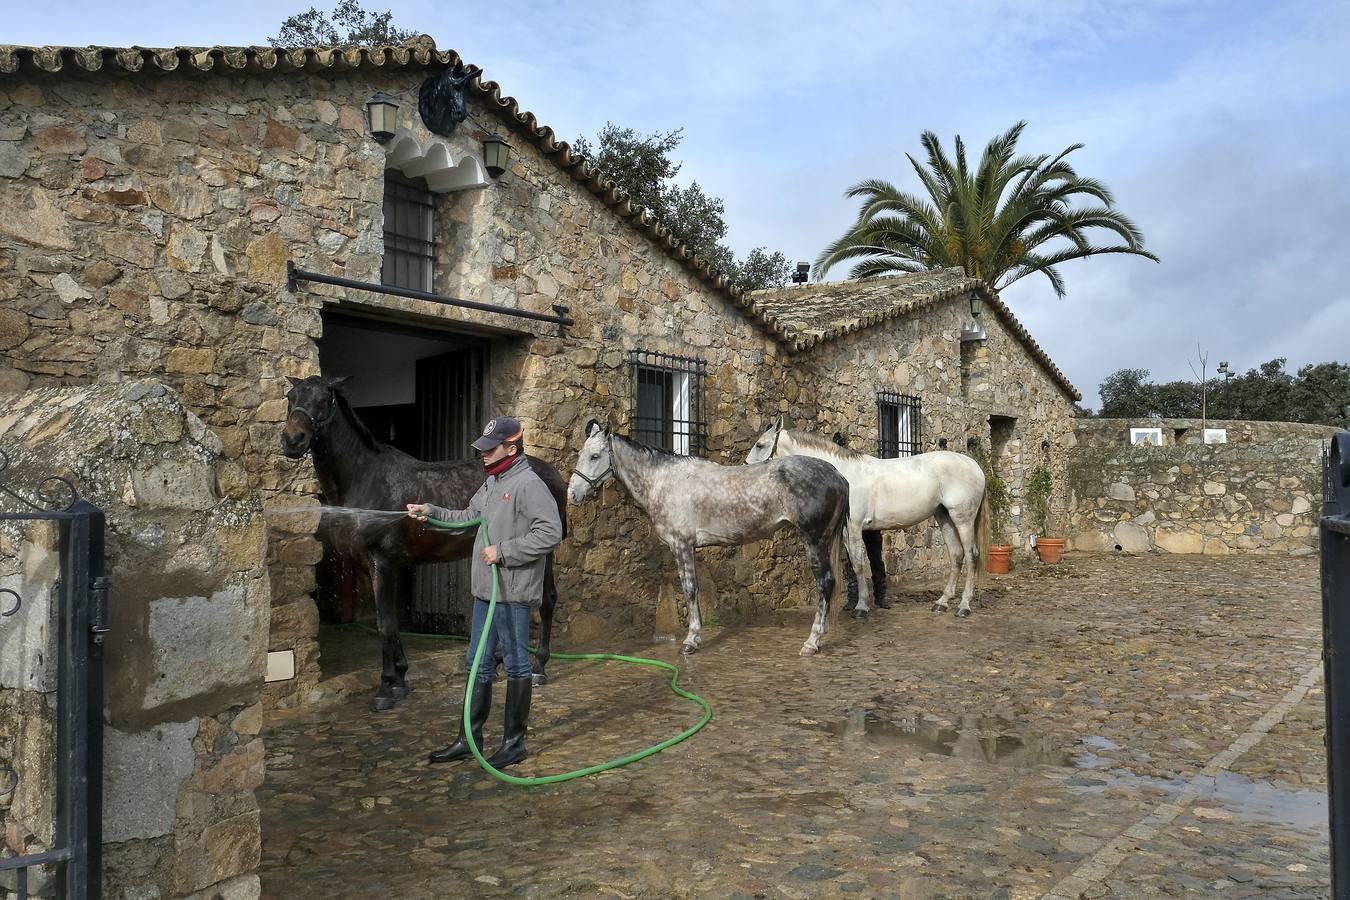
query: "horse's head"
593, 463
767, 445
311, 404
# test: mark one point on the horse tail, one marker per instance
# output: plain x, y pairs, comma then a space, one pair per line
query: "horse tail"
837, 556
983, 535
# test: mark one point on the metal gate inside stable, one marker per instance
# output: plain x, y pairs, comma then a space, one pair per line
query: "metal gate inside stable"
78, 599
451, 409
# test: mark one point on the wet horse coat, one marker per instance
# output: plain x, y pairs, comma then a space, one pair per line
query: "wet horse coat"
355, 470
696, 503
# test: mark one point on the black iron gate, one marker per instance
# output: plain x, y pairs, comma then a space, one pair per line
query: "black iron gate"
1336, 650
79, 596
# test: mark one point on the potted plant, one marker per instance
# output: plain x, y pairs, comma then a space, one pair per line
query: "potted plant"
1037, 497
1000, 551
996, 496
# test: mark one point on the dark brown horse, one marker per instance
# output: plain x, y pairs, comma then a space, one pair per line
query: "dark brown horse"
357, 471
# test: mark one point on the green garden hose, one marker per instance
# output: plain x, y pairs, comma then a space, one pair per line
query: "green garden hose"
636, 660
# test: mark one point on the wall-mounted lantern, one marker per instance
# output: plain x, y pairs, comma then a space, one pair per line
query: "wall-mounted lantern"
382, 116
496, 155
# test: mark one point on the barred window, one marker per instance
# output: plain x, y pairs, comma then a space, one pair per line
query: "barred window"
409, 232
899, 424
668, 410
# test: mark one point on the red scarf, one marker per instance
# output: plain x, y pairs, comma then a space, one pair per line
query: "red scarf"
500, 465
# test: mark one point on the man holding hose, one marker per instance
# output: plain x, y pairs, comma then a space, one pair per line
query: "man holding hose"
522, 521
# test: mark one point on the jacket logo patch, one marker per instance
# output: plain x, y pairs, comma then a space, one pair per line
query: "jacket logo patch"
506, 496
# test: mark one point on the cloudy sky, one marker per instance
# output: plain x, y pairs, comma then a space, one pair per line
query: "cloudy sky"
1218, 125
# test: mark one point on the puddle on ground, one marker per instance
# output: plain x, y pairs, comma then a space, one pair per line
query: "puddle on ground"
1227, 795
1275, 803
998, 741
981, 738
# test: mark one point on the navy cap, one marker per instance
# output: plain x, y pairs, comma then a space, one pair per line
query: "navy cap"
499, 431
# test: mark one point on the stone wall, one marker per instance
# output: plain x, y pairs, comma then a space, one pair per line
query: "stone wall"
184, 658
1261, 492
961, 385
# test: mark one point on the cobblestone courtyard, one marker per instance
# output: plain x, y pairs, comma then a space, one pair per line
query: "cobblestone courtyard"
1109, 727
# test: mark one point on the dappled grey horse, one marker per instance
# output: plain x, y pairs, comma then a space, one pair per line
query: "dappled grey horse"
696, 503
897, 493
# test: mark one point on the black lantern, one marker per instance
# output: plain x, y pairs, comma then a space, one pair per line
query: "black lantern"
382, 116
974, 304
496, 155
802, 274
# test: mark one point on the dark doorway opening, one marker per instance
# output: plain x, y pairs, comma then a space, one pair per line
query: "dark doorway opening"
424, 392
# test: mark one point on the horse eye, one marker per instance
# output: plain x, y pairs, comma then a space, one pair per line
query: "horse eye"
760, 445
595, 456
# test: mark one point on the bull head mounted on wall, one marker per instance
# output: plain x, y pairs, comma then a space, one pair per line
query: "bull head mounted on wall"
442, 100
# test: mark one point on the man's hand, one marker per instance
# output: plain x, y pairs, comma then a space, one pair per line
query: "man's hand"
418, 511
490, 556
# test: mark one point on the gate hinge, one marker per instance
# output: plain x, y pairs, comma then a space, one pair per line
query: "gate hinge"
98, 612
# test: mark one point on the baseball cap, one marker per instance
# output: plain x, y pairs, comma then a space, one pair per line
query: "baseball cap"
498, 431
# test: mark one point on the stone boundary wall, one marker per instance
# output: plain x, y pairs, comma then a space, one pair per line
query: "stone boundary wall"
1259, 493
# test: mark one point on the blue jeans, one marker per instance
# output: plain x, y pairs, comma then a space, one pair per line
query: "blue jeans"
510, 630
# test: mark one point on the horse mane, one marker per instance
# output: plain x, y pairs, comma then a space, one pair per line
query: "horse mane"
823, 446
656, 454
362, 432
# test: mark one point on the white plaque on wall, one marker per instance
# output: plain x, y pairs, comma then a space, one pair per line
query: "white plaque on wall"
1146, 437
280, 665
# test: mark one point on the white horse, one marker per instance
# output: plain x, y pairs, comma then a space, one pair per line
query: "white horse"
695, 503
897, 493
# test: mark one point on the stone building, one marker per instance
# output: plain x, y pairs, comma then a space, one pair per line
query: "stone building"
153, 202
920, 362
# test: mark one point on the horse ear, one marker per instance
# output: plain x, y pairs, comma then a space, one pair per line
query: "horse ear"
337, 382
780, 423
295, 382
592, 426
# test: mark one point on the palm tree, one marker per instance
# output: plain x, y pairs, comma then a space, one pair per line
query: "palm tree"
995, 222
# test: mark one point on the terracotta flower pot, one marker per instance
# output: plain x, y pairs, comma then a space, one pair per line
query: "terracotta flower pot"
1000, 559
1050, 549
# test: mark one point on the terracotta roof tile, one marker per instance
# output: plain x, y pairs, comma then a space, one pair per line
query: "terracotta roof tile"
813, 314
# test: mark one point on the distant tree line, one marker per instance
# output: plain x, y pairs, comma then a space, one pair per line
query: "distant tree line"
1317, 393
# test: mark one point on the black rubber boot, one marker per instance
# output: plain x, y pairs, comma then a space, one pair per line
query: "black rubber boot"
517, 723
478, 713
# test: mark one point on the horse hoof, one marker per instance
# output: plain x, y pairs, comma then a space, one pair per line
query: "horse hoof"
808, 650
939, 607
860, 614
962, 613
689, 648
882, 604
401, 692
539, 679
383, 704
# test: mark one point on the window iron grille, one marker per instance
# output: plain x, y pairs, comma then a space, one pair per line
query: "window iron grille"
409, 233
899, 424
668, 408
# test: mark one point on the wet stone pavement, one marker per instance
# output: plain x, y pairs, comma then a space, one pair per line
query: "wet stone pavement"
1109, 727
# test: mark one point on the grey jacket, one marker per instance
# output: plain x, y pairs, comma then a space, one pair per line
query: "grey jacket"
522, 520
